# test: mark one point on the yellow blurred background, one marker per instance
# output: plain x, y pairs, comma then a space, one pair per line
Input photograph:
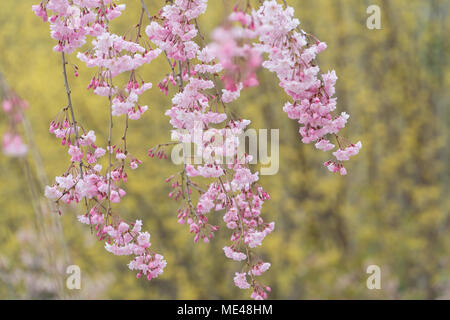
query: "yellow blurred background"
391, 210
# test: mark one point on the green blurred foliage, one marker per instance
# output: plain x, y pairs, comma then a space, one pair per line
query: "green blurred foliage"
391, 210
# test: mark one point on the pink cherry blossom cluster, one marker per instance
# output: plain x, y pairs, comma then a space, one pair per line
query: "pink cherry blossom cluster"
234, 188
292, 56
236, 55
174, 34
13, 107
123, 239
85, 180
198, 114
72, 21
114, 55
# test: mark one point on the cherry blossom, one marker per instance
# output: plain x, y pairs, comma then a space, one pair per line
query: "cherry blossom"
13, 145
234, 188
85, 180
240, 281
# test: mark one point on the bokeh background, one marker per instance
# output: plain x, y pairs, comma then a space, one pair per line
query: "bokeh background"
392, 209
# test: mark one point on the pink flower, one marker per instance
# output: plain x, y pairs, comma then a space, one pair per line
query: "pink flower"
71, 22
300, 76
13, 145
144, 239
66, 182
137, 226
115, 198
99, 152
260, 268
134, 164
290, 53
40, 12
240, 280
7, 106
324, 145
229, 96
